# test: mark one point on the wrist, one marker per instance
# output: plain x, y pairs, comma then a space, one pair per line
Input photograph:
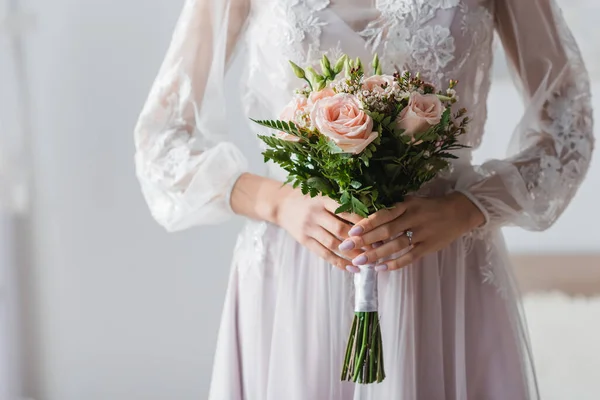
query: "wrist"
276, 203
270, 200
469, 212
257, 197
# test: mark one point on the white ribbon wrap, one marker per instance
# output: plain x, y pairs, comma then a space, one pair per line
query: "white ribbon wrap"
365, 285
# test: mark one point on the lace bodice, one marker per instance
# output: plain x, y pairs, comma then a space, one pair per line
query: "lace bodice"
187, 165
436, 38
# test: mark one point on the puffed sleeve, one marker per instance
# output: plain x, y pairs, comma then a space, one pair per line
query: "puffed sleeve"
552, 145
185, 165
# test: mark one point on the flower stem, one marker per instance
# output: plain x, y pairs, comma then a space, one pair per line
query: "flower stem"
380, 367
358, 346
363, 346
349, 349
372, 344
309, 84
363, 361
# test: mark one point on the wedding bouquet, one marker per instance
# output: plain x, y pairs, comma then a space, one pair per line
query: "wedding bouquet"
366, 141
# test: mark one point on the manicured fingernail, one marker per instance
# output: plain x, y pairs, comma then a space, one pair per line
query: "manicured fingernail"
346, 245
352, 269
356, 230
377, 244
381, 267
360, 260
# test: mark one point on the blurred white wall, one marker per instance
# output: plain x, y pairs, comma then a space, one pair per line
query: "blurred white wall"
124, 310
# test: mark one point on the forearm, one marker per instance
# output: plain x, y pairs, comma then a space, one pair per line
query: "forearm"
257, 197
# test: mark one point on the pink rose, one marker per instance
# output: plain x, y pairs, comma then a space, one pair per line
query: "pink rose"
296, 106
341, 119
422, 112
321, 94
376, 83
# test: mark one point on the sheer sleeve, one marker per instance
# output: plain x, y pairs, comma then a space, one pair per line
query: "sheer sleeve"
185, 165
552, 145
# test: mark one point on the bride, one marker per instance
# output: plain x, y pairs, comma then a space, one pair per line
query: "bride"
450, 313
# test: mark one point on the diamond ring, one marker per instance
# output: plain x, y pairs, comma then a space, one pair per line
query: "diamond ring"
409, 235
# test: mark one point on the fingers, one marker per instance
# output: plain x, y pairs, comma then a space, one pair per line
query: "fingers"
331, 206
373, 233
379, 218
406, 259
383, 233
331, 243
334, 225
326, 239
320, 250
377, 254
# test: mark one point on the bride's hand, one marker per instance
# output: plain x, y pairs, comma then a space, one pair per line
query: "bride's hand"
435, 223
313, 223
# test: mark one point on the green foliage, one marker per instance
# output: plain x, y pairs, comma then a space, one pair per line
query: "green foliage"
392, 166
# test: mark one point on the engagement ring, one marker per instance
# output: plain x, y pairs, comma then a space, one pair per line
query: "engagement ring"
409, 235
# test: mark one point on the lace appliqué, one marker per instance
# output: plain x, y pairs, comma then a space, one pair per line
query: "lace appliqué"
557, 167
250, 249
300, 25
571, 119
174, 152
303, 22
433, 48
491, 268
404, 38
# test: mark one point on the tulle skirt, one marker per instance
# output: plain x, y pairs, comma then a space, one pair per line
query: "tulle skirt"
451, 325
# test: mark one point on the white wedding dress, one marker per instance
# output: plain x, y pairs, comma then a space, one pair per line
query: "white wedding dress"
451, 323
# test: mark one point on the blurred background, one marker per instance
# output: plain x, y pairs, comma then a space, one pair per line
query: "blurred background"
97, 302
